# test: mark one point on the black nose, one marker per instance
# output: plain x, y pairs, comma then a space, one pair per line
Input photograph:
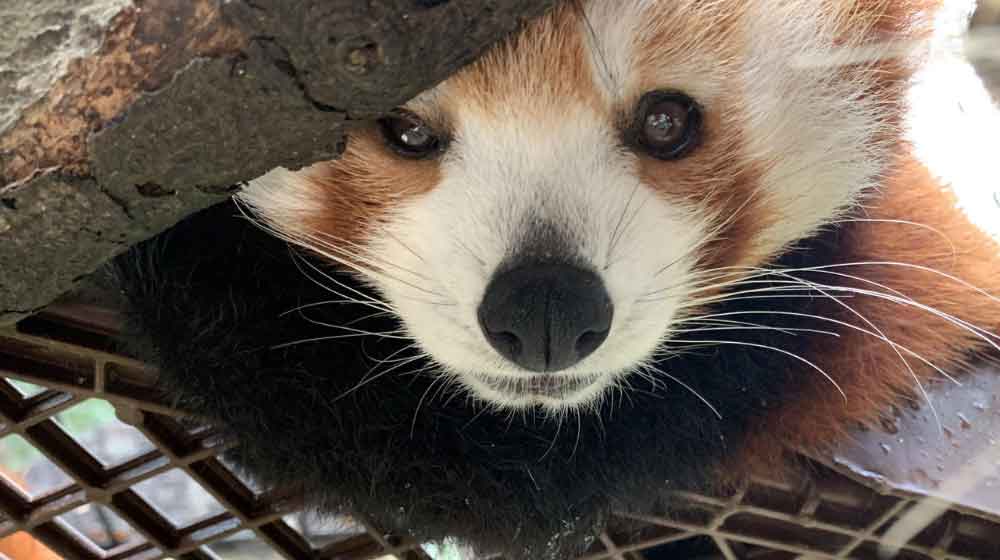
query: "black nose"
546, 316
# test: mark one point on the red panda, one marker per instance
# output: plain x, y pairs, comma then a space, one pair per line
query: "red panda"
640, 246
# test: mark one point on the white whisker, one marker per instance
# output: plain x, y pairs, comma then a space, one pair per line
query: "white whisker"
349, 259
791, 331
941, 234
416, 411
848, 325
906, 364
779, 350
689, 389
339, 337
368, 377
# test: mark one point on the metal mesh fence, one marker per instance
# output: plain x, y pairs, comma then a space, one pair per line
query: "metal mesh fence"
113, 472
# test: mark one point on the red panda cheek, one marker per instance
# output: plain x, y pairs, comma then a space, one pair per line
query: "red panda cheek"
722, 185
355, 194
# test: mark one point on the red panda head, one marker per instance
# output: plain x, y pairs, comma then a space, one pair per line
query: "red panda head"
543, 222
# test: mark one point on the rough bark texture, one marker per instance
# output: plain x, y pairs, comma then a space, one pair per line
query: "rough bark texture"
181, 101
40, 38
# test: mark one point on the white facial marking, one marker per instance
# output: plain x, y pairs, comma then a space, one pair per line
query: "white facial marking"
566, 171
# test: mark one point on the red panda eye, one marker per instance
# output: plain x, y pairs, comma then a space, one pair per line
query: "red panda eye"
668, 124
408, 136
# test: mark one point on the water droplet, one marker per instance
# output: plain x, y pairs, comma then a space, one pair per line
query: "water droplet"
886, 448
979, 406
921, 476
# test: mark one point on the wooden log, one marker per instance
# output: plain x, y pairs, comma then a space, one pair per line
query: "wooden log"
117, 119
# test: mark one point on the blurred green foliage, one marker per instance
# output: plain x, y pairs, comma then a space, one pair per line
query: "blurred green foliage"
17, 455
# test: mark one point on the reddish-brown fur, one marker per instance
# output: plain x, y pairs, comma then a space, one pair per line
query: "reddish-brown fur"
726, 188
869, 371
353, 194
713, 177
537, 73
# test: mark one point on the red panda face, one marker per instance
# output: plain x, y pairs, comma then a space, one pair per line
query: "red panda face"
543, 222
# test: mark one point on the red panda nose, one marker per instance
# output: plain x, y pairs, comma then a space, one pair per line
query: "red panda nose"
546, 316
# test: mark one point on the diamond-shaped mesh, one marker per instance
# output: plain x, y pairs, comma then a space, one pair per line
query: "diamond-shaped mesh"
97, 466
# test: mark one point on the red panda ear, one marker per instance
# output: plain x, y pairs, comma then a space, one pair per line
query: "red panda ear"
882, 44
887, 20
904, 30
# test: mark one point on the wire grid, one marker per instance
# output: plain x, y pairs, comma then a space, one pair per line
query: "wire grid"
67, 350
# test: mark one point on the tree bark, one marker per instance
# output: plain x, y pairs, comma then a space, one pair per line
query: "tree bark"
119, 119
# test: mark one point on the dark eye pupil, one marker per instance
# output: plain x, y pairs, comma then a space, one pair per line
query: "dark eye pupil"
415, 135
662, 127
668, 126
408, 136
